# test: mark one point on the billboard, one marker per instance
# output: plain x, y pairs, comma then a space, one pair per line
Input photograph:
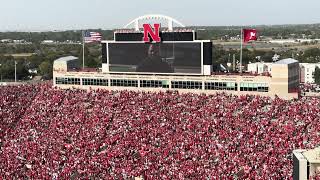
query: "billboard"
166, 57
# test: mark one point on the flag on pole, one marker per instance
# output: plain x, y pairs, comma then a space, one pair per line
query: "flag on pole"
249, 35
91, 37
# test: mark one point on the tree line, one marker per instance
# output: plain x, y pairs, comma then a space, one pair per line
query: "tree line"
43, 57
311, 31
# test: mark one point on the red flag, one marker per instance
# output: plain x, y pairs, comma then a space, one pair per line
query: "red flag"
249, 35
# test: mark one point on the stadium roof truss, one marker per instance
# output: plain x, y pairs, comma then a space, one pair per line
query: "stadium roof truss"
170, 21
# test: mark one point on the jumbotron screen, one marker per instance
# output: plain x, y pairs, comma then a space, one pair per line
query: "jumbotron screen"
165, 57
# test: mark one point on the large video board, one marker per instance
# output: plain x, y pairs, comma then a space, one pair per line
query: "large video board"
166, 57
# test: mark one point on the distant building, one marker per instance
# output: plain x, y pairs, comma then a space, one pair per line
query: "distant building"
19, 41
265, 67
68, 63
259, 67
285, 68
306, 163
33, 71
307, 72
283, 41
6, 40
307, 40
48, 42
289, 41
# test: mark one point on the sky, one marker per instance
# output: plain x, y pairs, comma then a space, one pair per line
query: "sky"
40, 15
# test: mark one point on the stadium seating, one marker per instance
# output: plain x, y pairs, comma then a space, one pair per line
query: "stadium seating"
47, 133
308, 87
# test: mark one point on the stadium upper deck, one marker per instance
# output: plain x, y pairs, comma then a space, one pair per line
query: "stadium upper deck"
177, 62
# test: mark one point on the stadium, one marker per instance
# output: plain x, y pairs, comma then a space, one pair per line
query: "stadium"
178, 120
179, 62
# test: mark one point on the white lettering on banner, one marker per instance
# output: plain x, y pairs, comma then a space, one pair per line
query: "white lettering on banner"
252, 35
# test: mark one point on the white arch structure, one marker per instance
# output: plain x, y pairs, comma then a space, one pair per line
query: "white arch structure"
170, 21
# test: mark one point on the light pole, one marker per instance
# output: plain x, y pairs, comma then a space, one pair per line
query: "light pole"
1, 71
15, 71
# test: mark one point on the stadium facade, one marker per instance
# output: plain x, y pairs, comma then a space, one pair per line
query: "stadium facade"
306, 163
178, 62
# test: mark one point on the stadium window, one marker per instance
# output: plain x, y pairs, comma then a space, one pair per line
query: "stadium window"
71, 81
165, 86
258, 87
206, 86
255, 87
198, 85
124, 82
209, 85
152, 84
186, 85
183, 85
174, 85
250, 87
231, 86
58, 80
94, 82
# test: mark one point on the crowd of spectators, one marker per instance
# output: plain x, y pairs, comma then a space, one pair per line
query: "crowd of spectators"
309, 87
48, 133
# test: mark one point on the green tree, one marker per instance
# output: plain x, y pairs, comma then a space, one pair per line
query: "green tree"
311, 55
46, 68
317, 75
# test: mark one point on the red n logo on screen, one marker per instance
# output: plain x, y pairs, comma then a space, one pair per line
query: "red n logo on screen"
154, 33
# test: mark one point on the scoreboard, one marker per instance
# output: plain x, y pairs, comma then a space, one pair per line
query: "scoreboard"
177, 53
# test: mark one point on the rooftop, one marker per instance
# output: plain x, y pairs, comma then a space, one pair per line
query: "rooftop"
313, 156
286, 61
66, 59
265, 63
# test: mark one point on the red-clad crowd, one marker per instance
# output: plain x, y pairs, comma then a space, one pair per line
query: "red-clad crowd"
309, 87
316, 176
47, 133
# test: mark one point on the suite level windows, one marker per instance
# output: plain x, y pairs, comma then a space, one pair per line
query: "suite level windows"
64, 80
154, 84
94, 82
231, 86
124, 82
259, 87
186, 85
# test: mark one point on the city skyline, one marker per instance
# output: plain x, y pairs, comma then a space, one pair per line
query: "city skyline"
36, 15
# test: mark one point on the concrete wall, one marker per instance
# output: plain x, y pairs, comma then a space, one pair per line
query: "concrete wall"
299, 165
279, 82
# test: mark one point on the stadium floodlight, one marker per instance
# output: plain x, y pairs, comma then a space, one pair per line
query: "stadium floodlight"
15, 71
1, 72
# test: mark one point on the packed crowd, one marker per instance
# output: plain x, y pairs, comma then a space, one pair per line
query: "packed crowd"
309, 87
47, 133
